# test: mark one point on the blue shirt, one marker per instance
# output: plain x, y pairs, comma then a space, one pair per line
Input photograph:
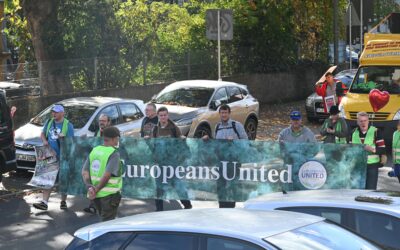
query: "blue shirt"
54, 131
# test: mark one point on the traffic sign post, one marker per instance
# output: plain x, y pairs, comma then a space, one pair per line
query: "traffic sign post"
219, 26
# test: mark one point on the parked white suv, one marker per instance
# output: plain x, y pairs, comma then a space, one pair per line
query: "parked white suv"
193, 106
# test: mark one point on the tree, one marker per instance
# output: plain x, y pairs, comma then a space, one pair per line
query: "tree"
48, 45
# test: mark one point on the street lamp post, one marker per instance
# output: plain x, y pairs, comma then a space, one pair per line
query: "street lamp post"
350, 24
361, 25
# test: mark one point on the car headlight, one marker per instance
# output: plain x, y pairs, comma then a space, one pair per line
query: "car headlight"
397, 115
309, 101
342, 112
185, 122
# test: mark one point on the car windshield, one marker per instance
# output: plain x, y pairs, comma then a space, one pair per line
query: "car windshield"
346, 77
78, 115
190, 97
384, 78
318, 236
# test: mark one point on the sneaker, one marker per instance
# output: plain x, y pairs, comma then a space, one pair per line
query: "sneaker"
63, 205
40, 205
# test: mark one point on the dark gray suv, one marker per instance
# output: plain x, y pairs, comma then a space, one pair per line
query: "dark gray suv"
7, 147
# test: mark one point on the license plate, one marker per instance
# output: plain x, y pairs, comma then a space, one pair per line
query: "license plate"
26, 158
320, 110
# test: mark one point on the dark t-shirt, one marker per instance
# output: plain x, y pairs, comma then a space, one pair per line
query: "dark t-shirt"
147, 126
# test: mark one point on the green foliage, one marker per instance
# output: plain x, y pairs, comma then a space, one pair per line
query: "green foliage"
16, 30
143, 41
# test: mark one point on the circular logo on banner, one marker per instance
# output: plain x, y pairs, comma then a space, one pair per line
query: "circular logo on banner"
95, 166
312, 175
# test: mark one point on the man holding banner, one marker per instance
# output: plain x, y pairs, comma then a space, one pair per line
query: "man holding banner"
55, 129
102, 175
166, 129
372, 138
228, 129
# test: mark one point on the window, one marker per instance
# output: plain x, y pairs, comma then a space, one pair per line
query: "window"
130, 112
380, 228
185, 96
319, 236
77, 114
221, 96
244, 92
165, 241
384, 78
113, 240
112, 112
229, 244
333, 214
234, 94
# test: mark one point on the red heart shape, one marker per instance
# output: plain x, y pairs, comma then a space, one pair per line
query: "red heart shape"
378, 99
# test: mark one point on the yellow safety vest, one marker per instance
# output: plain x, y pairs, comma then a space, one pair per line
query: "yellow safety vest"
396, 147
369, 140
98, 162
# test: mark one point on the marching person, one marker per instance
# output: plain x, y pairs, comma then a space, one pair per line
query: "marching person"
334, 128
296, 132
374, 143
230, 130
330, 87
166, 129
102, 175
150, 121
54, 130
104, 122
396, 153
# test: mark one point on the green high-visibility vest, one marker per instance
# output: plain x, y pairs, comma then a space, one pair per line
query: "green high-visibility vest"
64, 129
98, 159
396, 147
339, 140
369, 140
338, 128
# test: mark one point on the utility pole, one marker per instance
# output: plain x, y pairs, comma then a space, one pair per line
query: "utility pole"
350, 43
361, 25
335, 32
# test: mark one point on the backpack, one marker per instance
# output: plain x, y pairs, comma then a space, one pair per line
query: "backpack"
233, 127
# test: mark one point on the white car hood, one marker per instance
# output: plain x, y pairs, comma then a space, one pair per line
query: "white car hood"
28, 133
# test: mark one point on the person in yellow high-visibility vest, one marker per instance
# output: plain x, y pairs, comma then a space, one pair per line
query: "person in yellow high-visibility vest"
372, 138
396, 153
104, 122
102, 174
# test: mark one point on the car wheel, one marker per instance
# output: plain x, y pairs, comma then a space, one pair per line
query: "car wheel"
202, 131
251, 128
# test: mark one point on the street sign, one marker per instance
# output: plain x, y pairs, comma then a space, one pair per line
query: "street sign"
226, 24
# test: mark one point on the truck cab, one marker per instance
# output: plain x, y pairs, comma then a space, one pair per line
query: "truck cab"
379, 69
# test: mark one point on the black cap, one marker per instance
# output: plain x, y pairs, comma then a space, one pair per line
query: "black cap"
111, 132
334, 110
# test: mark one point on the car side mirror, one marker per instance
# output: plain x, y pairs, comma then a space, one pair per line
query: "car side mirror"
215, 104
153, 99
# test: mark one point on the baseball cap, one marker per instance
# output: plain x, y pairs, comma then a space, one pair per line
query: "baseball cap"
295, 115
334, 110
57, 108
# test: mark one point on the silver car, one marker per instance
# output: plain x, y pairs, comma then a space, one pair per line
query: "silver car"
83, 113
193, 106
372, 214
217, 229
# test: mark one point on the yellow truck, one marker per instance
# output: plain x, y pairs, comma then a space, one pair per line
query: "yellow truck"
379, 69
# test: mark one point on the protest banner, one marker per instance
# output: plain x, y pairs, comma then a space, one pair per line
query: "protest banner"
46, 169
219, 169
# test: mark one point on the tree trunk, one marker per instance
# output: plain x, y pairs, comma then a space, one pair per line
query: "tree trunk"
48, 45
